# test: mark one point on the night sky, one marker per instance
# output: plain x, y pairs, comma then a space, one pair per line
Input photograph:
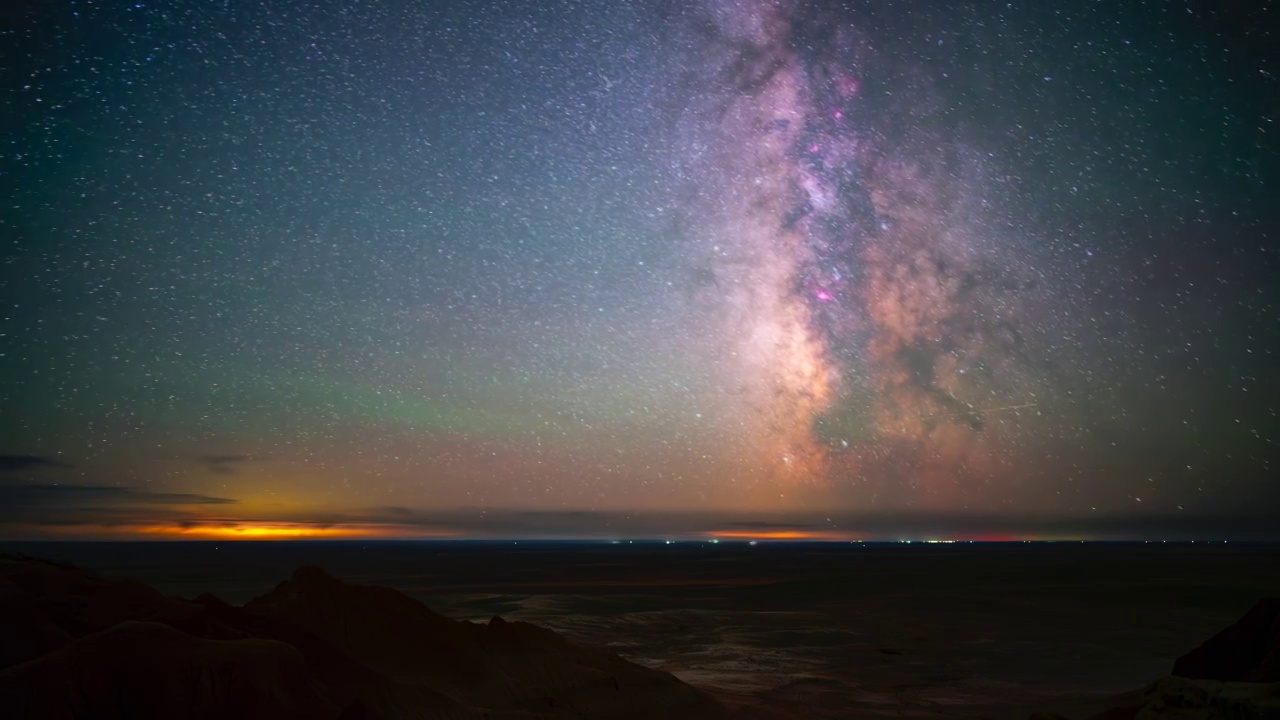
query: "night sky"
396, 268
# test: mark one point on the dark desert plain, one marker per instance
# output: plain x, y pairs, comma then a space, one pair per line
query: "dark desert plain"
500, 360
798, 630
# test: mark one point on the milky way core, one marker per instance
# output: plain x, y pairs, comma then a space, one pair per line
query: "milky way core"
870, 313
773, 358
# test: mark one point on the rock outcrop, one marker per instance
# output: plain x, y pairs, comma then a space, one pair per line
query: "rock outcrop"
73, 644
1247, 651
1235, 675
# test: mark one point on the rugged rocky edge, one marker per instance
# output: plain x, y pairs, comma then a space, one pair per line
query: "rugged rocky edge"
1247, 651
1235, 675
74, 644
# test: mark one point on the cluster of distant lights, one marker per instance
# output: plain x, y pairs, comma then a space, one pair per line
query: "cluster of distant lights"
298, 531
716, 541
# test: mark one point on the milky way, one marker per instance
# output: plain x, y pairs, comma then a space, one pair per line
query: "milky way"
657, 255
748, 181
878, 323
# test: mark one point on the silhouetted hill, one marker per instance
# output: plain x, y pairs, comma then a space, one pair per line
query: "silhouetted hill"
152, 670
73, 644
1233, 675
1248, 650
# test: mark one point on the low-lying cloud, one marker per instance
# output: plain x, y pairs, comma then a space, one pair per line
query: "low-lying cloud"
44, 504
10, 462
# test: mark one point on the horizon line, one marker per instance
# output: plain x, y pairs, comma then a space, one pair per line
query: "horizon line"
641, 540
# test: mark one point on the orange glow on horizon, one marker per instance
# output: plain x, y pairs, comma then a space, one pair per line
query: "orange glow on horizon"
274, 531
266, 530
778, 535
284, 531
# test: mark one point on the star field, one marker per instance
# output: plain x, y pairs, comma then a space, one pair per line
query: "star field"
317, 259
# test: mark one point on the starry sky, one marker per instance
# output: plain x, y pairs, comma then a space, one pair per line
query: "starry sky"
469, 268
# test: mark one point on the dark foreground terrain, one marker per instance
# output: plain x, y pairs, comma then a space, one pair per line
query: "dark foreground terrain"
774, 630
